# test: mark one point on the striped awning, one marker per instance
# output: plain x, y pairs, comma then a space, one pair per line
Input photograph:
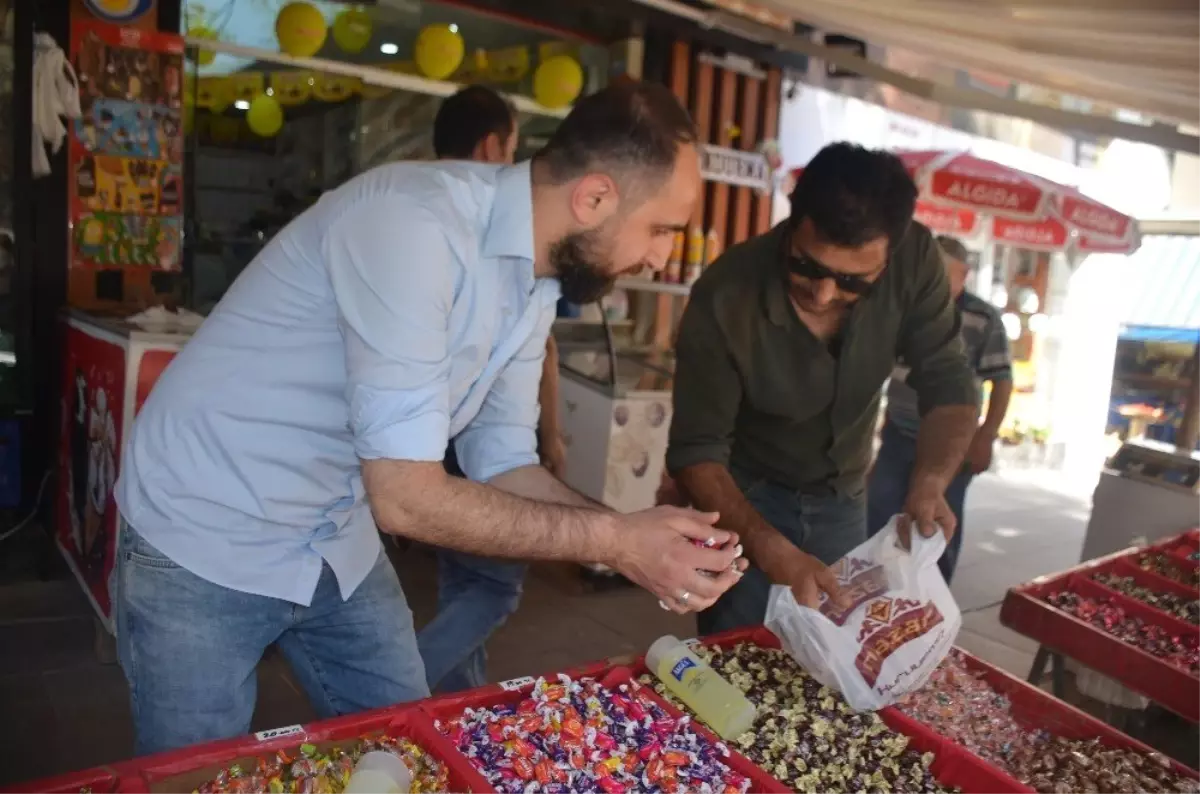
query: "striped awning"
1164, 282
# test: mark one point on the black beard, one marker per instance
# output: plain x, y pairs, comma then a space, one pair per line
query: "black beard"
583, 272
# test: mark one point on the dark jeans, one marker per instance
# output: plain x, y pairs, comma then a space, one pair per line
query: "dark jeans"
826, 526
476, 595
888, 489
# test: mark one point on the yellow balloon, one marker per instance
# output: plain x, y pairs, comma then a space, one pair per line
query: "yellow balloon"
203, 57
439, 51
265, 116
352, 30
300, 29
557, 81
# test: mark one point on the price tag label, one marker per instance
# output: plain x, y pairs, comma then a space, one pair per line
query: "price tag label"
275, 733
513, 684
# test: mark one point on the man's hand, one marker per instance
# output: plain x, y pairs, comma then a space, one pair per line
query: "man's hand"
554, 453
805, 574
979, 454
655, 551
925, 507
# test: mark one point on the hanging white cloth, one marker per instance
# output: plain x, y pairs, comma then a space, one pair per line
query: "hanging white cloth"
55, 97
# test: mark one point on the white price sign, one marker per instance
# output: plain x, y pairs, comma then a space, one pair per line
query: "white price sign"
513, 684
735, 167
275, 733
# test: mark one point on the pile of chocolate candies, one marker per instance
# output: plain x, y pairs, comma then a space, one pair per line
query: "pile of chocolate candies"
806, 735
1183, 608
311, 770
581, 736
965, 709
1164, 565
1182, 651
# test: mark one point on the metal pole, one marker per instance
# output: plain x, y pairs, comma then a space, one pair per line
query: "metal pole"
1189, 429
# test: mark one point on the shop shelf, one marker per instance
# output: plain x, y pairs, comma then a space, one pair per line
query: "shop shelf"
1025, 611
183, 770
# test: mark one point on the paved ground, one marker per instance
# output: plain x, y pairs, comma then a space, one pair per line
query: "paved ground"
64, 710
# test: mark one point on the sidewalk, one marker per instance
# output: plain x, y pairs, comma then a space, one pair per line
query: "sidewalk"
66, 711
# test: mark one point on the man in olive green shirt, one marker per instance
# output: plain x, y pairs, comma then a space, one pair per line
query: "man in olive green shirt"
781, 358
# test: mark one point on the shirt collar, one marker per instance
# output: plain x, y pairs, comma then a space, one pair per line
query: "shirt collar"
510, 225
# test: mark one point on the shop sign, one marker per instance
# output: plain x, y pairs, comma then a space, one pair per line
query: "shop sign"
119, 12
1045, 235
735, 167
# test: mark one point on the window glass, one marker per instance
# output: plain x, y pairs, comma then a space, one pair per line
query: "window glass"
265, 139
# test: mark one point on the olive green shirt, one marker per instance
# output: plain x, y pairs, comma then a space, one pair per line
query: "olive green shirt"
756, 391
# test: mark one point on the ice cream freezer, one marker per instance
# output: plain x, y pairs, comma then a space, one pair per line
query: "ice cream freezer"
615, 411
109, 367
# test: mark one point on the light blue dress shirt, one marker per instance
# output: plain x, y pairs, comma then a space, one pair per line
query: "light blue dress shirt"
397, 313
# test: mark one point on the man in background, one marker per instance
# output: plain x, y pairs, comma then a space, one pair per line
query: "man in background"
782, 353
986, 344
477, 594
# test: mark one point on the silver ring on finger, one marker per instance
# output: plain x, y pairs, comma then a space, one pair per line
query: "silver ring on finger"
664, 605
684, 596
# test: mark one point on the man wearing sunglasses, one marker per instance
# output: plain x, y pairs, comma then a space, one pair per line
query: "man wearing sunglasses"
781, 358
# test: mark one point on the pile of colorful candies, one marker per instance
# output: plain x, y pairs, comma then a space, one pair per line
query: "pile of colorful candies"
1063, 765
1164, 565
965, 709
1183, 608
312, 772
1182, 651
806, 736
581, 736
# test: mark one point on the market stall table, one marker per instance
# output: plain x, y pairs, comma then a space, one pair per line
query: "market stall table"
1090, 614
528, 735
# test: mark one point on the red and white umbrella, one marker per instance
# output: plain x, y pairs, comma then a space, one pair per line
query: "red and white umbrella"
959, 192
1025, 210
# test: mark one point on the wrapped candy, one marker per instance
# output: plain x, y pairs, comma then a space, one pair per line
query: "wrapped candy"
807, 736
1182, 651
1183, 608
1163, 565
1062, 765
311, 770
581, 736
962, 707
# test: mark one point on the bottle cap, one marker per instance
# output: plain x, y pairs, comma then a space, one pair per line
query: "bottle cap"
660, 648
376, 764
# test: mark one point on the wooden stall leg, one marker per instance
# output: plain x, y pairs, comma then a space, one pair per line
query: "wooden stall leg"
1039, 665
1058, 674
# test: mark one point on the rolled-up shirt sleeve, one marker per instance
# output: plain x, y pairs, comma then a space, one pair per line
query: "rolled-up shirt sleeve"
393, 274
503, 435
995, 360
930, 342
707, 392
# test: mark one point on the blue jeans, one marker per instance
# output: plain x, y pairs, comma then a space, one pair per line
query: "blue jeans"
189, 648
826, 526
475, 596
887, 491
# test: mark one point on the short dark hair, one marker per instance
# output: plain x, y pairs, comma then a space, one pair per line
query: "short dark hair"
631, 126
854, 195
468, 117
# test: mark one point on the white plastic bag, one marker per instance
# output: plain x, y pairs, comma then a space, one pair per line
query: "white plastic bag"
899, 626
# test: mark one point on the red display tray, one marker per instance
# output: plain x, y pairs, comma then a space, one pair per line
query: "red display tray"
101, 780
1026, 611
180, 771
444, 709
952, 766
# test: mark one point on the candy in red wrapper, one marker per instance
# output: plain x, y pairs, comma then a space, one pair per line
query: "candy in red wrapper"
614, 751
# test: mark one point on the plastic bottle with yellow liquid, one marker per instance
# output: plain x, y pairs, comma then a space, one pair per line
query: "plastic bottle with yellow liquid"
718, 703
695, 255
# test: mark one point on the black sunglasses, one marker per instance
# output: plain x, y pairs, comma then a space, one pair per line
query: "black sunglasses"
807, 267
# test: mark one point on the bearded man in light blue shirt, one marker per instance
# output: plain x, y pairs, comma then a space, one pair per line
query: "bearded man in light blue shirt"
408, 307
